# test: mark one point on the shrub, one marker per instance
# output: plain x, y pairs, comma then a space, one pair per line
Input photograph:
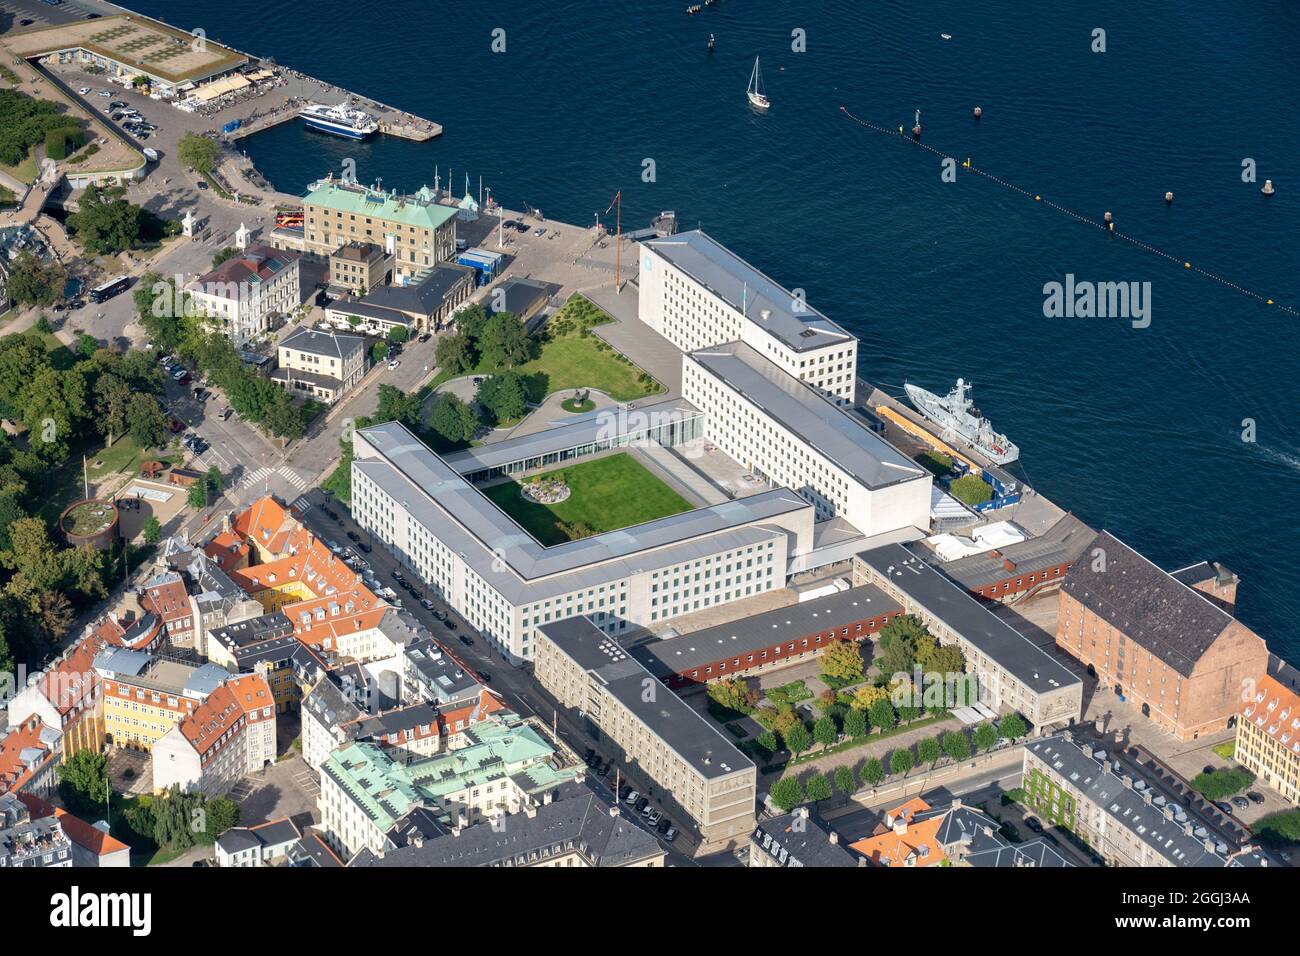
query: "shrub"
971, 490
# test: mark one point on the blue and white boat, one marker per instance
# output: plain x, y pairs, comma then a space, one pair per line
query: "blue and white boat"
339, 120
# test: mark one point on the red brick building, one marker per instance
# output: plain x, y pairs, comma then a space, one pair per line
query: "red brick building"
1165, 642
769, 640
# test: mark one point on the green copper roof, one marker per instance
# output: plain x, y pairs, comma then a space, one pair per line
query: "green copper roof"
387, 790
419, 210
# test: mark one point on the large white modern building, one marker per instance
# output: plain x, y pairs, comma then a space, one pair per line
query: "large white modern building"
506, 584
697, 294
782, 428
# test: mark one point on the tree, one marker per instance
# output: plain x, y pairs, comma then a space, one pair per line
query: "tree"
228, 252
197, 498
956, 746
105, 225
787, 794
733, 694
83, 782
152, 530
32, 556
928, 750
873, 772
866, 696
112, 398
215, 482
33, 282
1220, 784
882, 715
87, 344
222, 814
470, 321
817, 788
855, 723
398, 334
945, 659
504, 343
453, 419
1012, 726
842, 661
197, 152
898, 642
784, 719
844, 781
146, 421
824, 730
378, 352
907, 714
985, 737
767, 740
504, 396
901, 762
797, 739
454, 354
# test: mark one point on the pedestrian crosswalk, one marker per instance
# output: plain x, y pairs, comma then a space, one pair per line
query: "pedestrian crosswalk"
302, 504
263, 476
255, 477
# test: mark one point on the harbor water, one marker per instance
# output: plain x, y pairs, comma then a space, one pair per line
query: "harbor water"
1136, 429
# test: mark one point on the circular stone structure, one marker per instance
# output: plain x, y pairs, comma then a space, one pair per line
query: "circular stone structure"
92, 521
549, 491
577, 406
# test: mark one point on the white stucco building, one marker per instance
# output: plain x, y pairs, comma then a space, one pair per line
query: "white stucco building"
697, 294
506, 584
783, 429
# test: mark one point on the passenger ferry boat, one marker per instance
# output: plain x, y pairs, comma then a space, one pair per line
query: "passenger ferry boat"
339, 120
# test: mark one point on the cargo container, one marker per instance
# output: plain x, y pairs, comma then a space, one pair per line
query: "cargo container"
231, 126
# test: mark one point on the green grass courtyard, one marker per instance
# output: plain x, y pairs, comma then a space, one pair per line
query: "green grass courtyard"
605, 494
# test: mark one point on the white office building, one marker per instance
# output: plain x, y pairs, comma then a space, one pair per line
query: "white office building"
792, 436
506, 584
698, 294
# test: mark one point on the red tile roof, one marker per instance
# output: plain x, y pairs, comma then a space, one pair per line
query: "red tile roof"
77, 830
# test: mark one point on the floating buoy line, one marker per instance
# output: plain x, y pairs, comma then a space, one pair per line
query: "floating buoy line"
1106, 225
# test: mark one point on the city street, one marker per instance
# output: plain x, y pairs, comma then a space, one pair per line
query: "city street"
517, 689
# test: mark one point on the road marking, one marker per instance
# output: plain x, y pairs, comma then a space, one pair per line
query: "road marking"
254, 477
295, 479
302, 504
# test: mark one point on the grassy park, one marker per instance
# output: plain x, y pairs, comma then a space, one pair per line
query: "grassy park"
606, 494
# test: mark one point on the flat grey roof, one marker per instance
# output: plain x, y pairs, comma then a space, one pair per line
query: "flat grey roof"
996, 639
574, 432
874, 462
677, 654
501, 552
674, 722
744, 288
332, 344
1062, 543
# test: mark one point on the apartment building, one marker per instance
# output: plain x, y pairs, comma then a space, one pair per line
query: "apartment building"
571, 826
229, 735
698, 294
323, 366
649, 728
1011, 672
786, 432
507, 585
244, 293
415, 232
1123, 818
800, 838
424, 304
1170, 648
28, 841
1268, 736
366, 790
358, 267
144, 697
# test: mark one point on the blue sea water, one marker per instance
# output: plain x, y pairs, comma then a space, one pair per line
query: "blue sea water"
1136, 430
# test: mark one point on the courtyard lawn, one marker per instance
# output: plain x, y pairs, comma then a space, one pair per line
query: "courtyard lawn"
571, 360
606, 494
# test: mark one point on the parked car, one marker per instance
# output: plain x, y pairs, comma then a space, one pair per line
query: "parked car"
632, 798
653, 818
397, 575
670, 834
641, 804
664, 825
1225, 807
353, 536
393, 364
1241, 803
364, 547
202, 184
1254, 796
1033, 824
226, 413
85, 89
439, 615
466, 641
426, 604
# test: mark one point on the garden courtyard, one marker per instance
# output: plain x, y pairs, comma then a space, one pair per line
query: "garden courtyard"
602, 495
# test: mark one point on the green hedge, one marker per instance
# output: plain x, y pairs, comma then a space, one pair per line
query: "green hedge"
62, 141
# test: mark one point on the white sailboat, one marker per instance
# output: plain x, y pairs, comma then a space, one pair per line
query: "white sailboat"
757, 98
